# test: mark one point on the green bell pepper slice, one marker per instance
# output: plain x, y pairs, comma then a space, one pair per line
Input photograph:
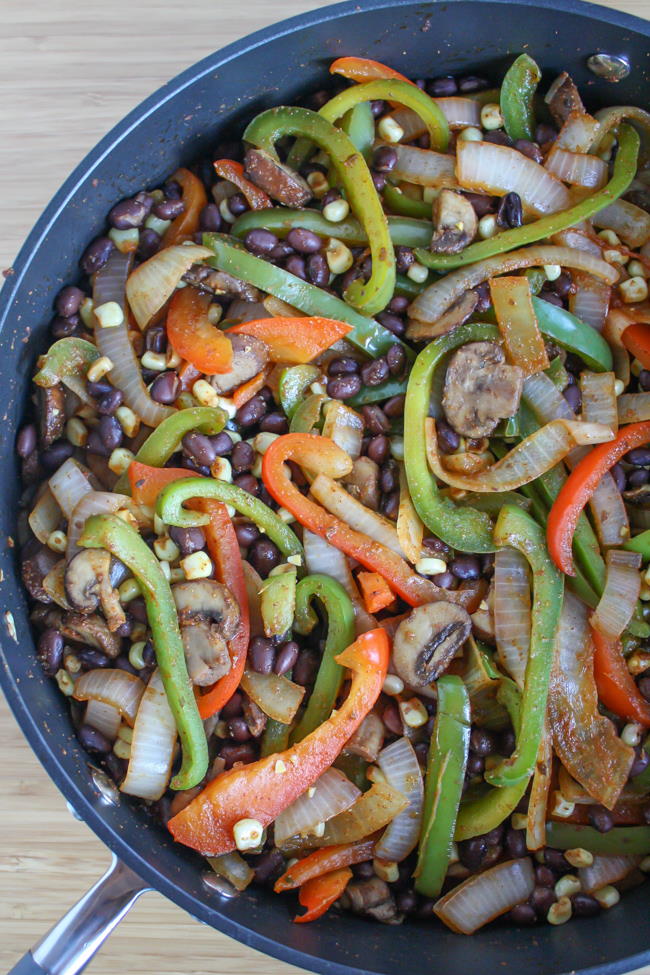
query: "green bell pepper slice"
308, 414
443, 785
573, 335
640, 543
123, 542
165, 440
351, 168
465, 529
620, 841
67, 361
517, 529
405, 205
625, 167
278, 601
171, 499
517, 97
294, 383
404, 231
340, 634
359, 125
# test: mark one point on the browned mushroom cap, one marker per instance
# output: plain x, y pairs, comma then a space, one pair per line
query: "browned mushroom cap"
363, 482
250, 355
206, 653
208, 615
455, 221
51, 413
281, 183
563, 98
368, 738
88, 585
372, 897
456, 315
427, 640
37, 561
91, 630
480, 389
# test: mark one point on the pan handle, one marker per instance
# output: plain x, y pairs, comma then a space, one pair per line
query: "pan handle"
71, 944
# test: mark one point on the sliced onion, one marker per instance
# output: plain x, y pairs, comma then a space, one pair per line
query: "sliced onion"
424, 167
153, 743
434, 301
578, 132
535, 455
609, 512
151, 284
320, 556
234, 868
253, 583
611, 118
630, 222
538, 799
577, 168
400, 765
571, 790
277, 696
345, 427
619, 598
512, 612
633, 407
104, 718
459, 112
499, 169
590, 300
116, 687
546, 400
109, 285
578, 237
616, 323
368, 738
606, 870
599, 398
469, 462
410, 530
45, 516
336, 500
585, 741
54, 585
92, 503
410, 122
485, 896
330, 795
372, 811
69, 485
517, 323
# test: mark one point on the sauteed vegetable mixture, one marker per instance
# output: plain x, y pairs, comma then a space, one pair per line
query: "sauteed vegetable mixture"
337, 500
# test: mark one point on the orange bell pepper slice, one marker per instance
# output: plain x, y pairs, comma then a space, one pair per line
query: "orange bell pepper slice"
147, 482
256, 198
264, 788
365, 69
579, 487
191, 335
323, 861
247, 390
295, 340
318, 894
195, 199
636, 340
376, 592
320, 454
616, 686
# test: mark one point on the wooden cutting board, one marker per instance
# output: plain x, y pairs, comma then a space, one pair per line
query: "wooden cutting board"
69, 70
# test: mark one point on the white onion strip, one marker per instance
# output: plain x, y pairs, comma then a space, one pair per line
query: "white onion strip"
577, 168
113, 686
153, 743
590, 300
606, 870
630, 222
500, 169
372, 811
330, 795
320, 556
578, 132
485, 896
277, 696
424, 167
69, 485
45, 516
599, 398
410, 530
92, 503
345, 427
538, 800
337, 501
400, 765
151, 284
512, 612
459, 112
622, 587
104, 718
633, 407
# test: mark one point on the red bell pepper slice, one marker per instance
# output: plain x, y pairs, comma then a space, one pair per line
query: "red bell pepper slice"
256, 198
319, 893
324, 861
247, 390
365, 69
295, 340
376, 592
636, 340
192, 336
579, 487
616, 686
323, 455
147, 482
194, 199
264, 788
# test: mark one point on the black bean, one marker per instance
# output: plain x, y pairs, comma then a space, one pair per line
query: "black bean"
375, 372
318, 271
96, 255
128, 214
344, 387
148, 243
530, 149
165, 388
639, 457
638, 478
109, 403
482, 742
110, 431
210, 219
471, 853
378, 107
544, 876
93, 740
295, 264
556, 860
563, 286
191, 466
379, 449
522, 914
242, 457
389, 477
50, 651
516, 843
268, 867
168, 209
475, 766
286, 657
237, 204
232, 708
172, 190
375, 419
498, 138
406, 901
304, 669
398, 304
26, 441
644, 380
404, 258
246, 533
573, 397
390, 505
448, 439
466, 567
472, 83
92, 659
304, 241
379, 181
507, 742
238, 729
221, 443
394, 406
392, 718
644, 687
584, 905
618, 474
330, 197
280, 251
343, 365
487, 565
264, 555
54, 456
188, 539
640, 763
123, 663
482, 204
318, 99
552, 298
199, 448
155, 339
61, 328
261, 655
68, 301
267, 395
442, 87
384, 159
545, 133
510, 212
260, 241
244, 753
437, 546
247, 483
251, 412
274, 423
541, 900
445, 580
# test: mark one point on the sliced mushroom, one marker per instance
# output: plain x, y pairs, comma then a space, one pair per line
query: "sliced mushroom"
254, 716
363, 482
427, 640
221, 283
37, 562
460, 311
372, 897
480, 389
455, 221
88, 585
249, 356
51, 413
638, 496
281, 183
563, 98
208, 616
91, 630
368, 739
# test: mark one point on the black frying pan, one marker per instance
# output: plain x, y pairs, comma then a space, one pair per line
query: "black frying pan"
179, 122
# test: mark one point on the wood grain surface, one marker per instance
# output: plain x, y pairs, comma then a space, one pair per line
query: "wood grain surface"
69, 70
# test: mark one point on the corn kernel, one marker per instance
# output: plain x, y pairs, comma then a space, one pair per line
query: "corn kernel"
579, 857
609, 237
247, 834
122, 749
637, 270
72, 663
204, 393
155, 361
318, 184
339, 256
560, 912
127, 419
120, 460
552, 271
172, 358
389, 129
318, 830
633, 290
177, 575
638, 661
567, 885
393, 685
86, 313
166, 548
128, 590
279, 768
561, 806
99, 368
318, 389
487, 226
519, 821
386, 870
619, 387
57, 541
417, 272
157, 225
491, 117
196, 566
614, 256
109, 315
136, 658
126, 241
76, 432
65, 682
125, 733
336, 211
221, 469
631, 734
607, 896
215, 312
470, 134
397, 448
227, 404
430, 566
414, 714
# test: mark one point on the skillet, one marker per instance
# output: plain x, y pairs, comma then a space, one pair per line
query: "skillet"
178, 123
